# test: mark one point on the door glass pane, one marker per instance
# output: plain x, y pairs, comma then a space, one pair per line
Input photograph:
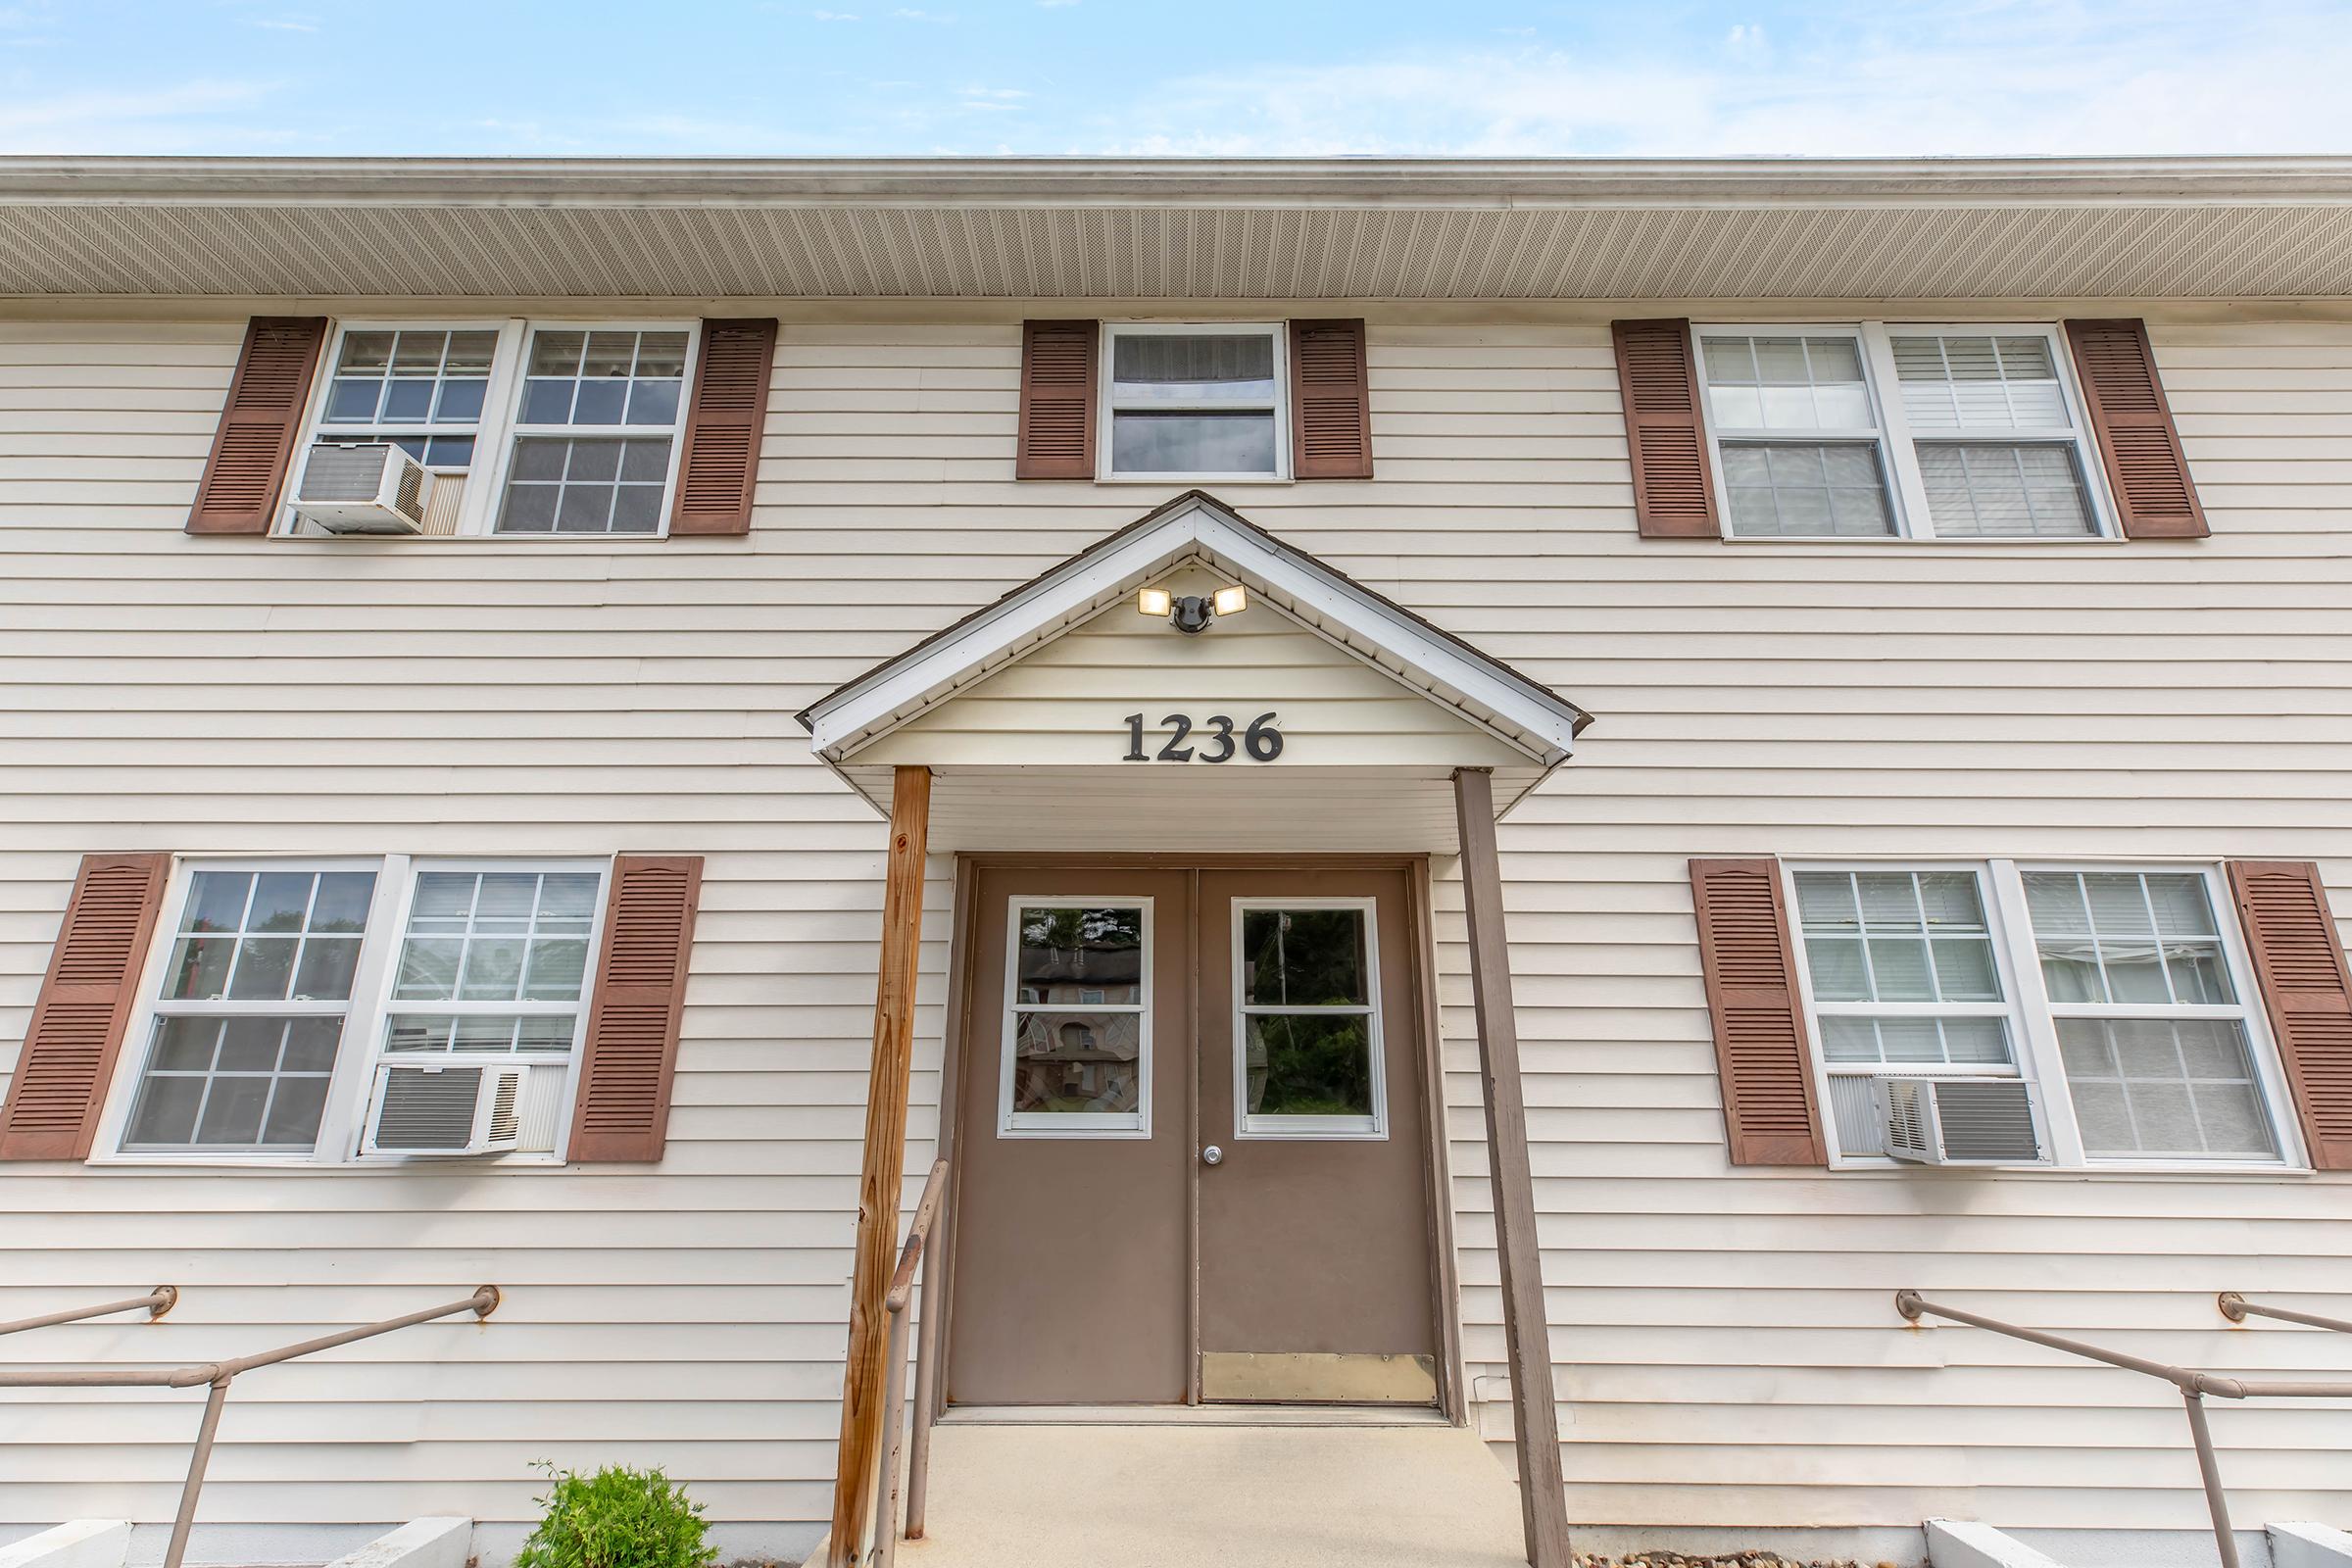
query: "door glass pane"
1080, 955
1302, 957
1077, 1063
1304, 1065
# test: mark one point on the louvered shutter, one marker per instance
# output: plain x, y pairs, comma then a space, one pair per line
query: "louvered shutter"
1761, 1046
1057, 401
255, 444
1657, 373
2307, 993
2146, 470
632, 1050
720, 465
55, 1095
1331, 402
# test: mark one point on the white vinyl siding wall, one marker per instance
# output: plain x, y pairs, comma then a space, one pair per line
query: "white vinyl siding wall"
1726, 1340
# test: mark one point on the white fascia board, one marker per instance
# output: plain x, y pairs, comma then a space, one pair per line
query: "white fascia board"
1446, 673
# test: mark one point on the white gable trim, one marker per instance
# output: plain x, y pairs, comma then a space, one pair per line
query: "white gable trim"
1484, 692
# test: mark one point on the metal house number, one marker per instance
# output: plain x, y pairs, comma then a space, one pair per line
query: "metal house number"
1261, 741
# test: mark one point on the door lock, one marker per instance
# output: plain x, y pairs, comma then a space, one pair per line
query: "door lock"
1212, 1155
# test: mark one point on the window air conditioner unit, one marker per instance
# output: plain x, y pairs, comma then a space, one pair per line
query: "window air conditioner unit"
362, 487
444, 1108
1958, 1121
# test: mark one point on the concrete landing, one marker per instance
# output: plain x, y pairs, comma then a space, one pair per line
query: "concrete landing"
1187, 1497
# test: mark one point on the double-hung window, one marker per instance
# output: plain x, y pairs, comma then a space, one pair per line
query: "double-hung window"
2120, 992
283, 990
529, 428
1205, 401
1885, 430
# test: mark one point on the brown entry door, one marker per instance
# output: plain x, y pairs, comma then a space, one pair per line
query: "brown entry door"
1315, 1247
1192, 1141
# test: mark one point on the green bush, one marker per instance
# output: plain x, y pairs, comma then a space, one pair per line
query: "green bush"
617, 1518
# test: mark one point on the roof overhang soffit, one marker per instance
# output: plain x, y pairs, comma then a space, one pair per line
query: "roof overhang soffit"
1382, 635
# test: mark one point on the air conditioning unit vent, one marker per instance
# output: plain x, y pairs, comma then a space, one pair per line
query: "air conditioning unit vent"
1958, 1121
446, 1109
362, 487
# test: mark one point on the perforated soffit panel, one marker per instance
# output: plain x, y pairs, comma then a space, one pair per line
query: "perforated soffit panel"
1180, 229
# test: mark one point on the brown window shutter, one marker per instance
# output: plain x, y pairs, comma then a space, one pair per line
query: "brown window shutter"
1657, 372
84, 1005
1761, 1046
632, 1050
1057, 401
255, 444
729, 413
2147, 469
1331, 402
2307, 993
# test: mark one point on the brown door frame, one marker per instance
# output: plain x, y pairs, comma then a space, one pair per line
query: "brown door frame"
956, 1068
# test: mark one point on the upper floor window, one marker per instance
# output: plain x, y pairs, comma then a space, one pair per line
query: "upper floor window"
1878, 431
527, 427
1198, 401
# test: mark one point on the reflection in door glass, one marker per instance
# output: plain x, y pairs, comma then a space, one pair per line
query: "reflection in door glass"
1080, 955
1302, 957
1068, 1062
1300, 1064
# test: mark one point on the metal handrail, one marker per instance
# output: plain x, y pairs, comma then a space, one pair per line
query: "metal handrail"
902, 1289
154, 1303
218, 1374
2237, 1309
2192, 1384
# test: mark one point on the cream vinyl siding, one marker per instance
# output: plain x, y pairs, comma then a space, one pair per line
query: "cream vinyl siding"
1726, 1348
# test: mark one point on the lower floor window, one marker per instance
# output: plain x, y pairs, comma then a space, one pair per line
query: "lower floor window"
281, 987
2120, 994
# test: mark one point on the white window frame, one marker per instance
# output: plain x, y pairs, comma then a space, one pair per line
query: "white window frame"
497, 401
1135, 1123
502, 420
385, 1006
1315, 1129
2033, 1027
1898, 447
1107, 408
361, 1048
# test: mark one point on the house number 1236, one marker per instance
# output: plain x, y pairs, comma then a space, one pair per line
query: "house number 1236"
1262, 740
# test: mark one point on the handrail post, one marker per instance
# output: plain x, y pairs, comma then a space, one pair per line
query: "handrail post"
2237, 1309
198, 1460
926, 1372
2216, 1503
893, 1400
154, 1303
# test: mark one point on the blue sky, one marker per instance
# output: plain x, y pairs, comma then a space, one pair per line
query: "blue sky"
1173, 76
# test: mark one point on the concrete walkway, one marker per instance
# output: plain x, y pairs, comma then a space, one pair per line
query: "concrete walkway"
1232, 1496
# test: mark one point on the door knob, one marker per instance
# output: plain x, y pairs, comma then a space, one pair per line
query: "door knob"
1212, 1155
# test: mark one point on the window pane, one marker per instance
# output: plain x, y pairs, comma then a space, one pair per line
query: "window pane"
1923, 935
1077, 1063
473, 937
1225, 363
166, 1110
567, 485
607, 377
2164, 1087
1915, 1042
1074, 954
237, 1083
1964, 382
1210, 441
1981, 490
1303, 957
1304, 1065
1787, 383
2127, 937
1783, 489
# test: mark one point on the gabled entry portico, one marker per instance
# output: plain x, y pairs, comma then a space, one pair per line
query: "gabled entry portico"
1193, 912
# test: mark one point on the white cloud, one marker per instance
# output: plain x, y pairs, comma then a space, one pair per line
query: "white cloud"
833, 15
186, 118
943, 17
1991, 78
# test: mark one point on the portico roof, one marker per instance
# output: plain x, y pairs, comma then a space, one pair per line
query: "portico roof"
1481, 712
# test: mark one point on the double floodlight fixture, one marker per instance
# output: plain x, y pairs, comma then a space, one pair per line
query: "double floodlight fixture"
1191, 614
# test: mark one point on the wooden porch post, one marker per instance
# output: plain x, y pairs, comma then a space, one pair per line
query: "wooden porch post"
861, 1384
1542, 1491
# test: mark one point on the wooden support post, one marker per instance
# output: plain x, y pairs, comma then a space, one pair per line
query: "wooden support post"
1542, 1491
878, 1182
